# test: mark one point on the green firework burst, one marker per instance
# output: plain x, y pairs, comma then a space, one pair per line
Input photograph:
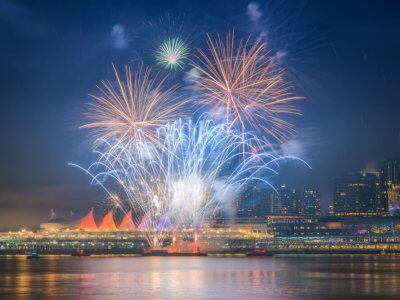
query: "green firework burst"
172, 53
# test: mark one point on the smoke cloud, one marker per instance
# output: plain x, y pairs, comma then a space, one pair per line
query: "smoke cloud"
118, 36
253, 11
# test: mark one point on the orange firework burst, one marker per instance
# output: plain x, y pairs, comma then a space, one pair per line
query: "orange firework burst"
246, 80
132, 109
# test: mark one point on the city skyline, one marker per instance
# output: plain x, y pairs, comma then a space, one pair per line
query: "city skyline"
379, 196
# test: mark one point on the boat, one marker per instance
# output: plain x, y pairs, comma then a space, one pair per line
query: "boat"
33, 255
80, 253
382, 252
165, 252
227, 254
259, 252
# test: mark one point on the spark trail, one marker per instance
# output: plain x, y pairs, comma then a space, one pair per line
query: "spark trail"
196, 173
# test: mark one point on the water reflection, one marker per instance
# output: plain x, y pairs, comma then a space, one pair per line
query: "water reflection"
289, 277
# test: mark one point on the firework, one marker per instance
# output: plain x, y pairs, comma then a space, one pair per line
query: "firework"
172, 53
132, 108
196, 173
246, 81
179, 173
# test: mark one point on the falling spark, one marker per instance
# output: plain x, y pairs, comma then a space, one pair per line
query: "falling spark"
194, 172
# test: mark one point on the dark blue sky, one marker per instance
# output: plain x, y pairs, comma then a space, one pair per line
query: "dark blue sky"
342, 55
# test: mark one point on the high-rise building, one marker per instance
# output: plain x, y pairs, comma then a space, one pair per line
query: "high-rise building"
331, 210
247, 202
389, 173
358, 194
276, 205
258, 201
393, 195
290, 201
311, 202
255, 201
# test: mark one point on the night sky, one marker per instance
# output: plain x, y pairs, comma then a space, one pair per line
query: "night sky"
343, 57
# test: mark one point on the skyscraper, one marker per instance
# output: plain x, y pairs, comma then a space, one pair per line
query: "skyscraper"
389, 173
331, 210
358, 194
258, 201
393, 196
275, 201
311, 202
290, 201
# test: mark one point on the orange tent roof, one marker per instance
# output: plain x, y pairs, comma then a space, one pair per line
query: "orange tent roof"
145, 223
127, 222
88, 223
108, 222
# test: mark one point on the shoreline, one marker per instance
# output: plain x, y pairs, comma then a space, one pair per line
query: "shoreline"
211, 254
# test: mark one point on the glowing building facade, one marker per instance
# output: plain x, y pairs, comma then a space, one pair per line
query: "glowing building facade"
290, 201
108, 224
258, 201
358, 194
311, 202
88, 223
390, 185
127, 222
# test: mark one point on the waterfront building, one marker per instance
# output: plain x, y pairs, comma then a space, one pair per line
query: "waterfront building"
127, 223
88, 223
59, 223
286, 233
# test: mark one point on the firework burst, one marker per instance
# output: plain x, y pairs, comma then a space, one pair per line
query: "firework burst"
247, 82
132, 108
199, 175
172, 53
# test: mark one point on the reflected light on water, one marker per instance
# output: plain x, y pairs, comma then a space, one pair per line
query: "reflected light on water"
285, 277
